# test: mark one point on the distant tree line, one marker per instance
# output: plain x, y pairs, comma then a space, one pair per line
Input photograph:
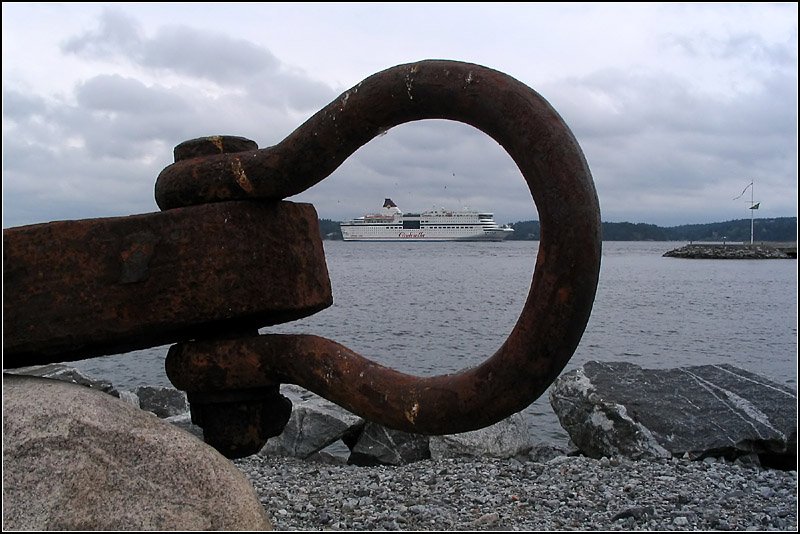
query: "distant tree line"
777, 229
329, 229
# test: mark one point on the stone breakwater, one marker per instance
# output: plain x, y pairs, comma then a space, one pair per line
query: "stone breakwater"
563, 493
463, 484
727, 252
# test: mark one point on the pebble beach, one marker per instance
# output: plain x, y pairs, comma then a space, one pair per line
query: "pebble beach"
563, 493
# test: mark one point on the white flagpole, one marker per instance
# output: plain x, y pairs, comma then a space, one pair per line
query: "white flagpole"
752, 187
752, 211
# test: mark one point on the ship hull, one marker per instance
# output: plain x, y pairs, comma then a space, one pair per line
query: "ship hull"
365, 233
431, 239
436, 225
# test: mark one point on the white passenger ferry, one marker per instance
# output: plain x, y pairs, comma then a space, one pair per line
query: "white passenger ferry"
439, 224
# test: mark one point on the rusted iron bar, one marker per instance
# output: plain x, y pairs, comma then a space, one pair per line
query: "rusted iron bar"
564, 281
446, 404
77, 289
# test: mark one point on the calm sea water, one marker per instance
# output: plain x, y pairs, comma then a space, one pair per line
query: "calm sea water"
434, 308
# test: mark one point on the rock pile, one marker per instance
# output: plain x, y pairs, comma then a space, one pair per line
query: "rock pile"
727, 252
674, 449
316, 423
608, 409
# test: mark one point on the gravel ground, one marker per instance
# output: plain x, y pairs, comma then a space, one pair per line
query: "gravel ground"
565, 493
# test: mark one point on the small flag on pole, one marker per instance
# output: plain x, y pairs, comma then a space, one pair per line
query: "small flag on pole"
745, 190
755, 206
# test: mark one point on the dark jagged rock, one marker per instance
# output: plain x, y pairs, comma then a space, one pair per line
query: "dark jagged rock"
378, 445
163, 401
619, 408
315, 423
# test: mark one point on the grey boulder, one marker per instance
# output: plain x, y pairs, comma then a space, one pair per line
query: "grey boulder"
315, 424
618, 408
505, 439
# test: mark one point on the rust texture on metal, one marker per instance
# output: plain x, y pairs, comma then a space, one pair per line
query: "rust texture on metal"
214, 144
77, 289
564, 280
238, 423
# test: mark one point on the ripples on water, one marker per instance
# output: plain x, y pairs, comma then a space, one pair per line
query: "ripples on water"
435, 308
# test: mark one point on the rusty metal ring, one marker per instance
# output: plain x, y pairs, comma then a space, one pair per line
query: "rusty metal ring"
564, 281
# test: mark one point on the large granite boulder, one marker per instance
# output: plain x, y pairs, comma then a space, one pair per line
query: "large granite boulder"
78, 459
619, 408
505, 439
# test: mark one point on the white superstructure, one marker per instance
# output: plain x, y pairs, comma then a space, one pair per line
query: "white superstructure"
439, 224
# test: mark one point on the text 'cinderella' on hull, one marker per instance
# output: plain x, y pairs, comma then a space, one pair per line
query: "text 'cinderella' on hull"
439, 224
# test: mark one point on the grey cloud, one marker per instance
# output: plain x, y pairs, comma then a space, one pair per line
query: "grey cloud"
611, 107
117, 34
55, 182
652, 132
620, 103
215, 57
756, 48
126, 95
121, 118
289, 90
436, 150
302, 93
30, 121
616, 102
746, 47
20, 107
648, 136
225, 61
433, 135
232, 62
773, 109
177, 49
112, 143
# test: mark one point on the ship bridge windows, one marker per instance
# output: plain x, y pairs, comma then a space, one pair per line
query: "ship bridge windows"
410, 225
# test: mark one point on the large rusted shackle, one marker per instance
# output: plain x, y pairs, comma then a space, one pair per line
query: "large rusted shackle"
564, 282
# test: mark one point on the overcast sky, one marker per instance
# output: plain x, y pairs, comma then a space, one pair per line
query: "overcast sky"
677, 107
